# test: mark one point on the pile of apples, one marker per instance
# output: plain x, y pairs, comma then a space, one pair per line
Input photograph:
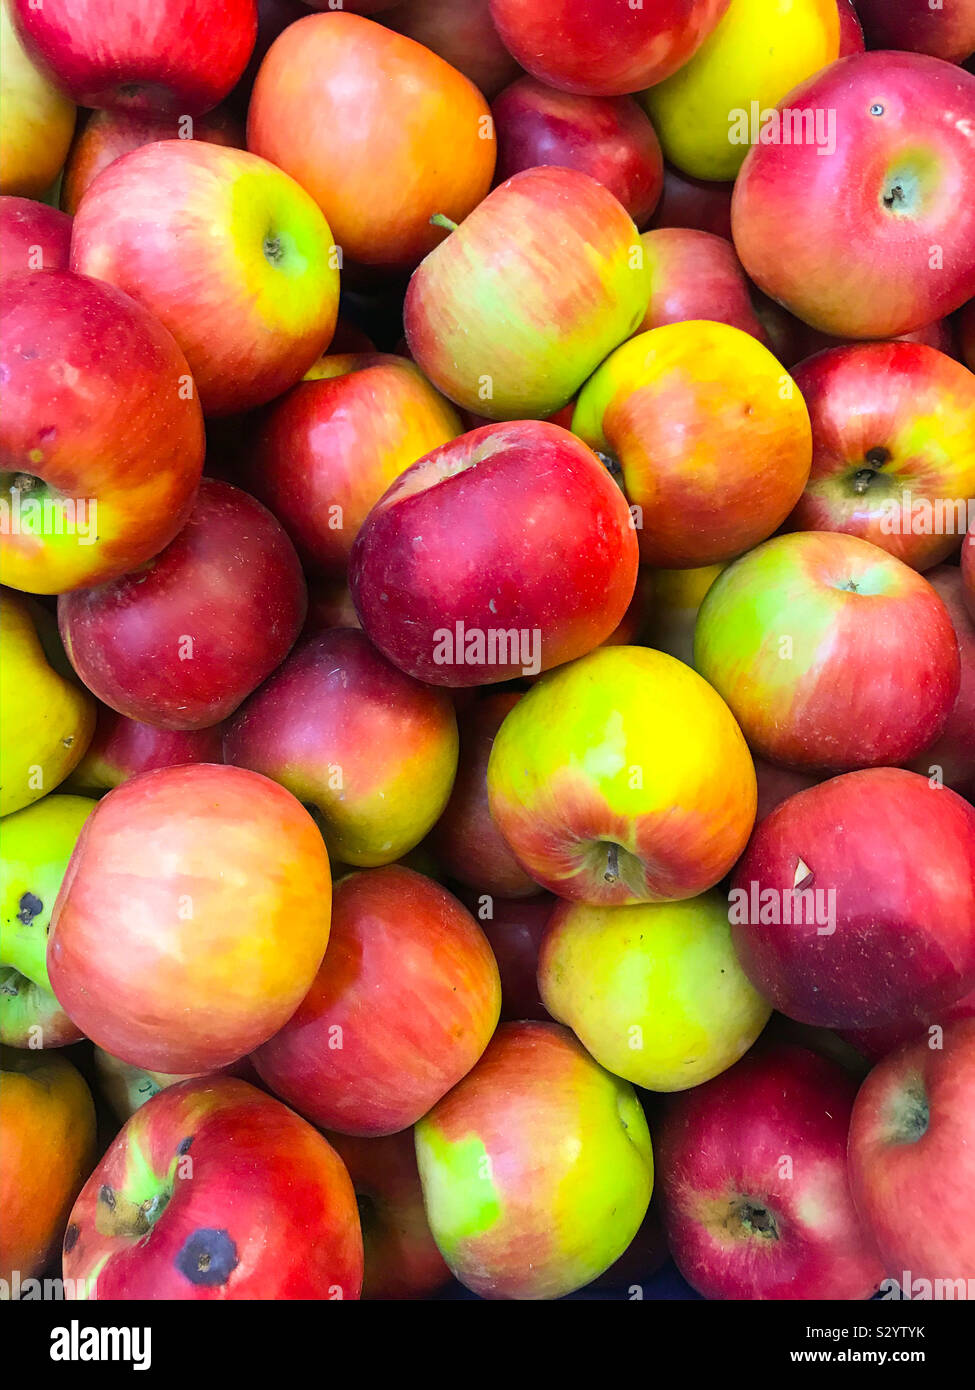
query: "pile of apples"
488, 646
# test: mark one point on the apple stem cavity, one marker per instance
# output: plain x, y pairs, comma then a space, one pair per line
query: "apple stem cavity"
273, 249
440, 219
612, 872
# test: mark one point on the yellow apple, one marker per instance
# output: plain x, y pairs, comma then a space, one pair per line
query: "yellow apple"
38, 121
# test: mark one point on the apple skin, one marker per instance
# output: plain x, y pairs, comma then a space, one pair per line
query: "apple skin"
943, 31
696, 275
675, 597
400, 160
371, 750
908, 177
582, 766
609, 138
602, 48
912, 1138
327, 451
404, 1004
759, 51
46, 720
34, 853
713, 440
121, 748
870, 670
876, 1043
968, 571
173, 57
488, 562
192, 918
46, 1110
126, 1087
888, 419
755, 1196
329, 605
122, 429
33, 236
537, 1168
901, 874
230, 584
465, 839
777, 784
514, 337
107, 135
252, 305
211, 1168
851, 30
952, 756
699, 204
515, 929
654, 992
463, 34
38, 119
966, 334
401, 1258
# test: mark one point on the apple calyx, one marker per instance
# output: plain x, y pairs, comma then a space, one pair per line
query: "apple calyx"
910, 1113
612, 871
875, 460
273, 249
753, 1218
118, 1215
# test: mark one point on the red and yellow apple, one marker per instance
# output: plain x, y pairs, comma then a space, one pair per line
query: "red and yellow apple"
38, 119
33, 236
121, 748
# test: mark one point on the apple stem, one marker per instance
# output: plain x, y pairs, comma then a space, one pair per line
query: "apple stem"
440, 219
612, 863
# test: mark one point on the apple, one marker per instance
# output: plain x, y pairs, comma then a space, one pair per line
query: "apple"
623, 778
700, 204
121, 748
514, 336
107, 135
196, 1199
696, 275
943, 31
329, 605
373, 751
504, 553
171, 56
38, 119
755, 1196
515, 929
710, 111
46, 720
832, 654
33, 236
261, 302
466, 841
126, 1087
802, 341
893, 448
966, 334
461, 32
417, 138
851, 30
183, 640
328, 450
101, 442
47, 1148
968, 571
401, 1259
912, 1138
675, 599
609, 138
712, 438
854, 904
875, 1043
192, 918
536, 1169
905, 162
777, 784
653, 991
604, 48
951, 758
34, 851
273, 16
404, 1004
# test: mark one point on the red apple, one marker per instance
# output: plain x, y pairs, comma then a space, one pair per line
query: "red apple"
804, 341
172, 56
122, 748
33, 236
404, 1004
213, 1190
515, 928
851, 31
966, 334
696, 275
466, 840
273, 17
229, 252
922, 26
329, 605
373, 751
755, 1196
951, 758
107, 135
893, 448
609, 138
602, 47
192, 918
184, 639
854, 904
968, 571
101, 433
461, 32
912, 1146
878, 1042
401, 1259
506, 552
696, 203
893, 251
777, 784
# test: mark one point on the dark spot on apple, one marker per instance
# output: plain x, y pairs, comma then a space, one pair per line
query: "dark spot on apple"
893, 196
208, 1257
877, 457
28, 908
273, 249
184, 1145
71, 1237
106, 1194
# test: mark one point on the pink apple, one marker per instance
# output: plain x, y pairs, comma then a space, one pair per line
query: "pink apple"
121, 748
696, 275
33, 236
